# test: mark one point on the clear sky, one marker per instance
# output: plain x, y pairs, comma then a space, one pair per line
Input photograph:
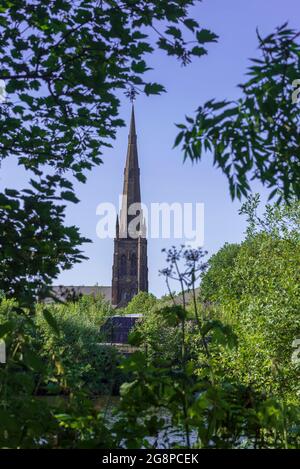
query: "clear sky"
164, 177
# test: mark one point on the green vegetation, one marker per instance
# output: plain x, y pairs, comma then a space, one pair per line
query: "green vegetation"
217, 366
232, 379
256, 136
257, 292
85, 363
56, 352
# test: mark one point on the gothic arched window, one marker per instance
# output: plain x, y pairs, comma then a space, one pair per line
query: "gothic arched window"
133, 264
123, 265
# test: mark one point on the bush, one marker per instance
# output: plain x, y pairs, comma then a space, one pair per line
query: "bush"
217, 282
86, 363
256, 290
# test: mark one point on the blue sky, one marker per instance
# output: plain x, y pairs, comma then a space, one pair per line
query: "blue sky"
164, 177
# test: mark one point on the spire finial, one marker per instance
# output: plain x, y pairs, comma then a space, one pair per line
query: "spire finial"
131, 94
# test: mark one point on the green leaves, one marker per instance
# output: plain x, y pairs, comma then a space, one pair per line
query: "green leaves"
256, 137
220, 334
173, 314
135, 338
64, 64
33, 361
34, 242
204, 36
199, 51
47, 377
153, 88
253, 289
70, 196
5, 328
51, 321
191, 24
140, 67
11, 192
84, 58
175, 32
179, 138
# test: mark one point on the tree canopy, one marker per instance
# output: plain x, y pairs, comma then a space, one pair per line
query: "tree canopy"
64, 65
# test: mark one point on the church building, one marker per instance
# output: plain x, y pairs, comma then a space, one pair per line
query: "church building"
130, 269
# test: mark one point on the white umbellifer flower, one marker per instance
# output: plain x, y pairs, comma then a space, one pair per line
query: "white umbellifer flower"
2, 91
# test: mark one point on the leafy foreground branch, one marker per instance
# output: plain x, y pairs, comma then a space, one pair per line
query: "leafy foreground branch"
257, 136
65, 64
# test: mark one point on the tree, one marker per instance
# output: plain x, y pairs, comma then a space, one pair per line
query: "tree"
35, 245
278, 220
256, 137
257, 292
64, 65
217, 282
141, 303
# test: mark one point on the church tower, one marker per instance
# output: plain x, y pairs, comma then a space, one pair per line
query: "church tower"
130, 269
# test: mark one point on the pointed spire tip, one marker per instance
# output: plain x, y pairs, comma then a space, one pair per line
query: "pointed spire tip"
132, 131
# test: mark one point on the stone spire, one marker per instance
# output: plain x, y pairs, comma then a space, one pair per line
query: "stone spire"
131, 187
132, 132
130, 269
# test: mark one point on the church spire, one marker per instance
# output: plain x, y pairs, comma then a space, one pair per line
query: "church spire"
130, 270
131, 187
132, 132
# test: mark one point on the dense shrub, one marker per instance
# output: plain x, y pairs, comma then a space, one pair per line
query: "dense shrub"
257, 291
86, 362
217, 282
156, 332
142, 303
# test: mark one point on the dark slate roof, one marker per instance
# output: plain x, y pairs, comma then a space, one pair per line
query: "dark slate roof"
73, 292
